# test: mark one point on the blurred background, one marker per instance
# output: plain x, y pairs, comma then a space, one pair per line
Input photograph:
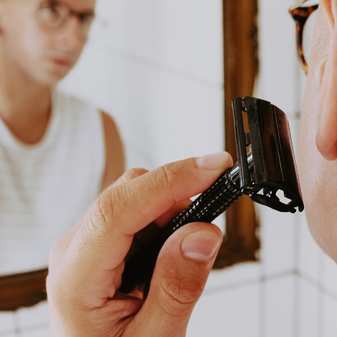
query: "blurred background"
157, 67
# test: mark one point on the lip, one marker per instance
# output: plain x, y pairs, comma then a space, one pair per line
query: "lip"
63, 62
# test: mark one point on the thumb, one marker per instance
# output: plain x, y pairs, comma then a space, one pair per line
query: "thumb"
179, 278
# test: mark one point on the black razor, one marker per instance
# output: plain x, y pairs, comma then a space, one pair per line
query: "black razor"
266, 165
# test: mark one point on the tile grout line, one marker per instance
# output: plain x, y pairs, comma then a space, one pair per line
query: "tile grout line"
253, 280
36, 327
262, 297
17, 328
6, 333
272, 277
320, 292
296, 287
323, 290
262, 309
262, 287
296, 305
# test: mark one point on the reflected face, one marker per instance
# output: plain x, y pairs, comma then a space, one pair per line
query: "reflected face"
41, 54
318, 136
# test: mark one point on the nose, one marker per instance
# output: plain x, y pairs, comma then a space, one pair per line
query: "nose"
326, 137
71, 37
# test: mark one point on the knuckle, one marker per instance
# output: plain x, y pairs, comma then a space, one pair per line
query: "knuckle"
55, 253
164, 175
133, 173
178, 295
104, 211
55, 249
55, 288
58, 292
165, 172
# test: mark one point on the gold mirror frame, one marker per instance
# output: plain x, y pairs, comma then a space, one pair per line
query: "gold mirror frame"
241, 243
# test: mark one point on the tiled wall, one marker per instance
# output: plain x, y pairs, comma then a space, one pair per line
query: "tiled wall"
157, 68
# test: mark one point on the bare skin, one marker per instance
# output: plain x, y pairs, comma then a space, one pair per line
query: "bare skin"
86, 264
32, 62
318, 135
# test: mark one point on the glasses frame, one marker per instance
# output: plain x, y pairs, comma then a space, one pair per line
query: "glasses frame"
300, 14
70, 12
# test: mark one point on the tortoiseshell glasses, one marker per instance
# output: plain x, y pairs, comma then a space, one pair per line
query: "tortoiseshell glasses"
300, 13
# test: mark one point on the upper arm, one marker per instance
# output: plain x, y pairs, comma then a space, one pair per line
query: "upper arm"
114, 152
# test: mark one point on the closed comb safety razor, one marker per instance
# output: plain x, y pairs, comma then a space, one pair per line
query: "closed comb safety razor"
266, 171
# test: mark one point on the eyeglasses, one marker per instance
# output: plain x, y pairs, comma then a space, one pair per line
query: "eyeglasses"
52, 15
301, 14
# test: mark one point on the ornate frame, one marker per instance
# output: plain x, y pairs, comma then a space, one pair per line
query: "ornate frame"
241, 243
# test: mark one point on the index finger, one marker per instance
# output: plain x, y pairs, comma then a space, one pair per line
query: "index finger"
106, 232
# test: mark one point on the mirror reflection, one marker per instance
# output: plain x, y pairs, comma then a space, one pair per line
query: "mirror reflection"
85, 93
57, 152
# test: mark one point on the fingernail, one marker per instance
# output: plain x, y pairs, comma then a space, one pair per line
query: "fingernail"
212, 161
200, 245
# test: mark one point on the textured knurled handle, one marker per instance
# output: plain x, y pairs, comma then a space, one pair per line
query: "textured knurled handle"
211, 203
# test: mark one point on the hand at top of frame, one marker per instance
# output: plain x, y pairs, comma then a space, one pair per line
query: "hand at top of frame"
86, 264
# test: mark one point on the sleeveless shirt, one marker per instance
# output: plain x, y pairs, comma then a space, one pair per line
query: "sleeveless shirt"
45, 188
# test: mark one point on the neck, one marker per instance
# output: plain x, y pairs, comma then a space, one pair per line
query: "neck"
25, 104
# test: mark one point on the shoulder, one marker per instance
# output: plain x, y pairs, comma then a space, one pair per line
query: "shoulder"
114, 150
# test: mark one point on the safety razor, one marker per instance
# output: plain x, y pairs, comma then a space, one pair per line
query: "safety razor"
266, 171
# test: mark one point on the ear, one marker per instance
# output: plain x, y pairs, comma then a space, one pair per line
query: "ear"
326, 137
2, 11
5, 6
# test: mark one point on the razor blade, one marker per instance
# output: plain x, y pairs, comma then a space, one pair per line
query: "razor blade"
266, 171
273, 166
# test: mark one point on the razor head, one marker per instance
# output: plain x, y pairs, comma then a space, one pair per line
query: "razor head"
274, 167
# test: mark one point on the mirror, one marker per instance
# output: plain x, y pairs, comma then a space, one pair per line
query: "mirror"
160, 70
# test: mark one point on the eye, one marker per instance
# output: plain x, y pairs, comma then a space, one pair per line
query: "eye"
86, 18
52, 12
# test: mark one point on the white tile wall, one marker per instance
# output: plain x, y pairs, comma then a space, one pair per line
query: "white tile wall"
157, 68
236, 276
279, 307
163, 83
277, 234
329, 316
311, 256
309, 311
42, 332
31, 318
169, 117
330, 275
7, 324
8, 334
277, 81
229, 313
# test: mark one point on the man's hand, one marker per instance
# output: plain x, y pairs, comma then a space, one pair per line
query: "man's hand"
86, 264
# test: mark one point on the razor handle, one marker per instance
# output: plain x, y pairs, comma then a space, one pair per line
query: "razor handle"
267, 169
209, 205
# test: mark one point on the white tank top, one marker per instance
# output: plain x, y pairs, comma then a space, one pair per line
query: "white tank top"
45, 188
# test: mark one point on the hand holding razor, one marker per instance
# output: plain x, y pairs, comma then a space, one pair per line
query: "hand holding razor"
266, 165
